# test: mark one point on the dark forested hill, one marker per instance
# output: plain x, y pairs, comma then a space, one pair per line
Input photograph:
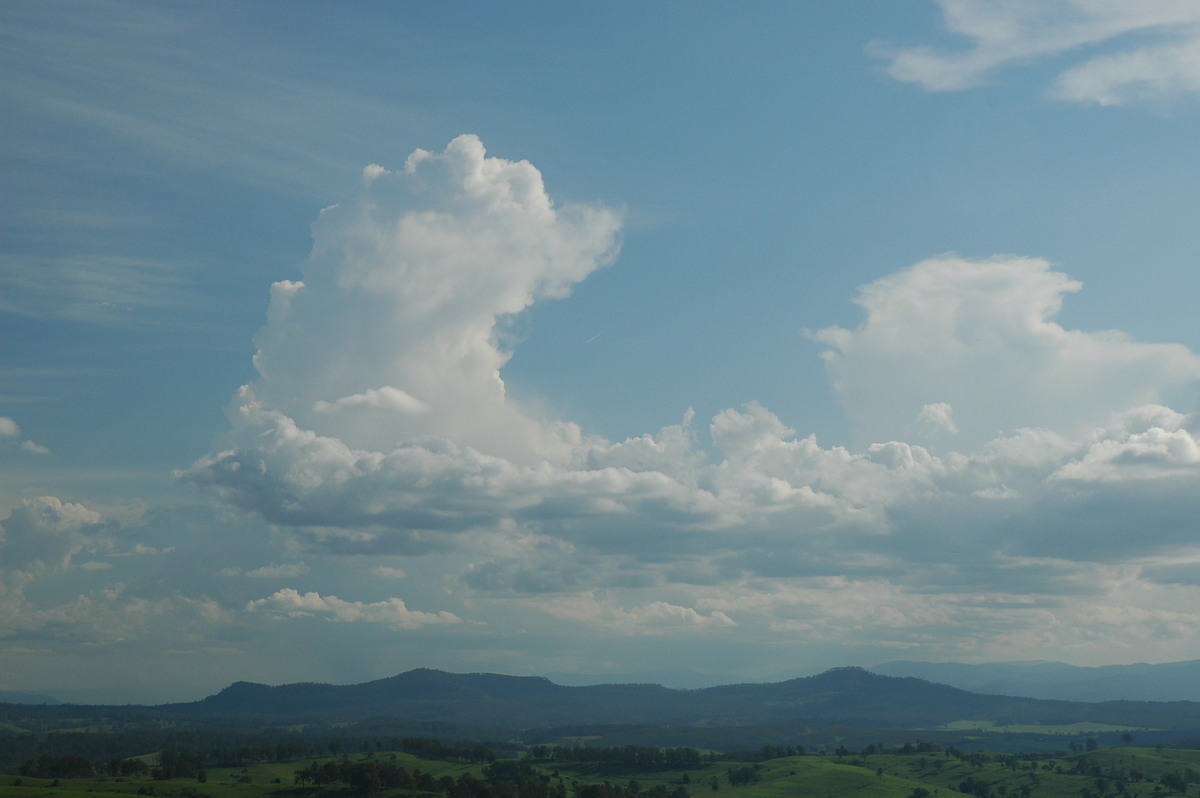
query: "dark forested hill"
476, 699
497, 705
840, 696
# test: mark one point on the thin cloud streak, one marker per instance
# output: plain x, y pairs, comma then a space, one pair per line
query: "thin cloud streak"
1013, 33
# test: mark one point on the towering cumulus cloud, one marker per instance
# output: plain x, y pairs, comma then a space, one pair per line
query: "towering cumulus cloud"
393, 333
379, 399
957, 351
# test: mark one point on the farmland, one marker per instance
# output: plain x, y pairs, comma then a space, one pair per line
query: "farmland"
920, 772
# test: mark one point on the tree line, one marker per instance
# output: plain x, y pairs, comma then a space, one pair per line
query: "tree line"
627, 756
186, 763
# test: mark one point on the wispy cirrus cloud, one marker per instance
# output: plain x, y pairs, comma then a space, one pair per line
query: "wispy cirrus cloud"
171, 95
94, 289
1121, 52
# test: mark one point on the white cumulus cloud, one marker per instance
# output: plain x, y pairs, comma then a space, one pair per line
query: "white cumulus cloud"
938, 417
9, 429
384, 400
391, 612
648, 618
1145, 443
397, 329
980, 336
45, 531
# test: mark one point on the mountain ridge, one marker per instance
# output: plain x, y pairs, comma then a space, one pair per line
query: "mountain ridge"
848, 695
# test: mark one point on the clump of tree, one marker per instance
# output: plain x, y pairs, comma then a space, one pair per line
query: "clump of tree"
921, 747
1178, 781
765, 753
976, 787
178, 765
739, 777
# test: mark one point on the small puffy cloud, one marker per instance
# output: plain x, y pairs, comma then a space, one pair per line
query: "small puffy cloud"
661, 613
385, 400
980, 335
672, 450
649, 618
142, 550
937, 417
1147, 443
10, 430
391, 612
1123, 52
45, 532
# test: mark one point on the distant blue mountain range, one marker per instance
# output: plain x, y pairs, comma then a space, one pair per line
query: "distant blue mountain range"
1171, 681
23, 697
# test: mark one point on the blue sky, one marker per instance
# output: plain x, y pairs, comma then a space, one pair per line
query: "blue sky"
743, 338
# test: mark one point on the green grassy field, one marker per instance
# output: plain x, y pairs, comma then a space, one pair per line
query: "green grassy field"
1127, 772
